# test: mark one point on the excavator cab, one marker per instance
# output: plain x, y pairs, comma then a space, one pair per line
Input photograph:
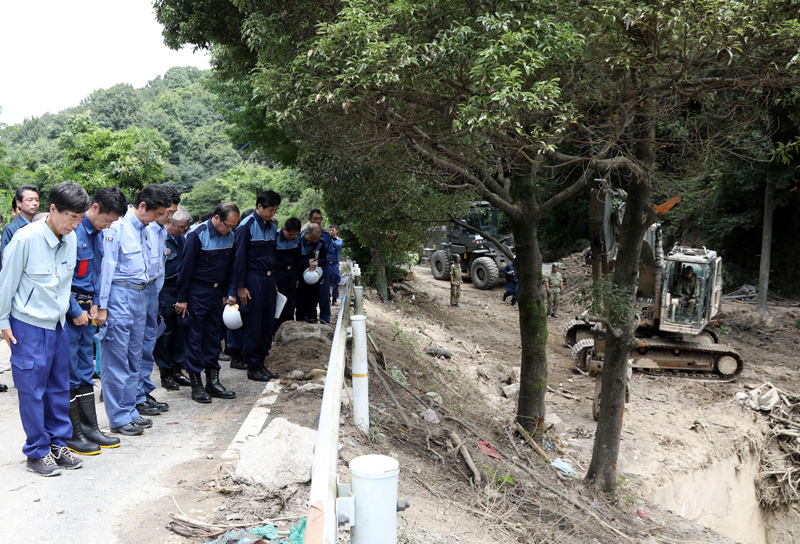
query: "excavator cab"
692, 290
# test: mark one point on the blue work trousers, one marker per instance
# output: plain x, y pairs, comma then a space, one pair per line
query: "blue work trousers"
168, 350
121, 340
333, 279
81, 348
40, 366
258, 317
201, 337
324, 299
286, 281
308, 296
511, 289
234, 338
146, 385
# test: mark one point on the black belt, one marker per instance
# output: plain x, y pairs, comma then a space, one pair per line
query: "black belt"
130, 285
259, 272
208, 283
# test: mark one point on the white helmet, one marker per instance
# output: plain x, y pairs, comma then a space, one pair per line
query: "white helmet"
231, 316
312, 276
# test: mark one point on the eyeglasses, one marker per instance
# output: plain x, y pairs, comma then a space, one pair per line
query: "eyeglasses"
185, 227
231, 227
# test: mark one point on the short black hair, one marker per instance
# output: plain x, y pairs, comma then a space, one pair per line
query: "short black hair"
314, 211
153, 197
248, 212
333, 226
225, 209
292, 225
110, 200
268, 199
206, 216
172, 194
13, 204
22, 188
68, 196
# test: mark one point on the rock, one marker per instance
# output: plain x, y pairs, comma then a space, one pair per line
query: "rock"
513, 376
439, 352
292, 331
281, 455
320, 379
511, 391
296, 375
429, 416
294, 386
552, 421
410, 276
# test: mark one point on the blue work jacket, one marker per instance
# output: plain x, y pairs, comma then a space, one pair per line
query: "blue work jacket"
125, 254
86, 279
207, 257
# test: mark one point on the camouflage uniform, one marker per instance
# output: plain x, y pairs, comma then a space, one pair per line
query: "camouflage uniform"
455, 287
689, 289
553, 280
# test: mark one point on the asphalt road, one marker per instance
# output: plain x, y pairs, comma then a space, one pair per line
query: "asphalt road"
122, 495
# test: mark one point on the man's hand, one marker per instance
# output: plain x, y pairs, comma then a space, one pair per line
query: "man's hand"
82, 319
312, 264
102, 315
93, 312
180, 308
8, 336
231, 301
244, 295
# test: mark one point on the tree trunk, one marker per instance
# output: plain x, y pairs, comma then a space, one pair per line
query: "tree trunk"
532, 311
766, 246
381, 283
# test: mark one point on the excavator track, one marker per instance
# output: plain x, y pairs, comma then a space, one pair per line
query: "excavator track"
722, 361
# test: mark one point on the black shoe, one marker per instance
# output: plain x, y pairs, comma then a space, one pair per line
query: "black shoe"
46, 466
554, 315
505, 296
238, 362
216, 389
147, 409
78, 443
130, 429
198, 393
513, 302
3, 389
88, 417
143, 422
64, 457
223, 356
261, 374
179, 376
163, 406
168, 379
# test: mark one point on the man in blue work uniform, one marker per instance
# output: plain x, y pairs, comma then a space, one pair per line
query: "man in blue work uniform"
205, 274
122, 306
332, 267
324, 298
27, 199
287, 267
511, 283
234, 338
34, 298
168, 351
312, 255
107, 205
255, 281
156, 239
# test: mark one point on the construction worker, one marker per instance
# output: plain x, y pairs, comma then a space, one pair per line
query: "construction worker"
324, 298
313, 255
554, 284
332, 267
287, 267
688, 289
455, 281
511, 283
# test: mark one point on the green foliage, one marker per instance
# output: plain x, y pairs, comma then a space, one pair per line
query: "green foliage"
115, 108
603, 298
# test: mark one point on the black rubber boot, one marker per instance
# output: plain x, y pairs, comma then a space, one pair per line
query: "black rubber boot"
179, 376
78, 442
88, 416
198, 393
216, 389
238, 361
168, 379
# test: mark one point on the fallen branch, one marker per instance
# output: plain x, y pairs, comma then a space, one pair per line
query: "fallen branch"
516, 449
462, 448
531, 442
389, 392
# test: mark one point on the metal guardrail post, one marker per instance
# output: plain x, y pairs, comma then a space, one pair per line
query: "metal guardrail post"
360, 372
358, 300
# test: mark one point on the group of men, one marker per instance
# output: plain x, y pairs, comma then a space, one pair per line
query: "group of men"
156, 294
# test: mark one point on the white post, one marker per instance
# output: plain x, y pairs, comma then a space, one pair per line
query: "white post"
360, 372
358, 300
373, 482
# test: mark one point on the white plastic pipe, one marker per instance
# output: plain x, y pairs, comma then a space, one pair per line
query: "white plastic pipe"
358, 300
373, 482
360, 372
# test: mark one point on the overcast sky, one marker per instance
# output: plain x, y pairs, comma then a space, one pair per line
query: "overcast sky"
55, 53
